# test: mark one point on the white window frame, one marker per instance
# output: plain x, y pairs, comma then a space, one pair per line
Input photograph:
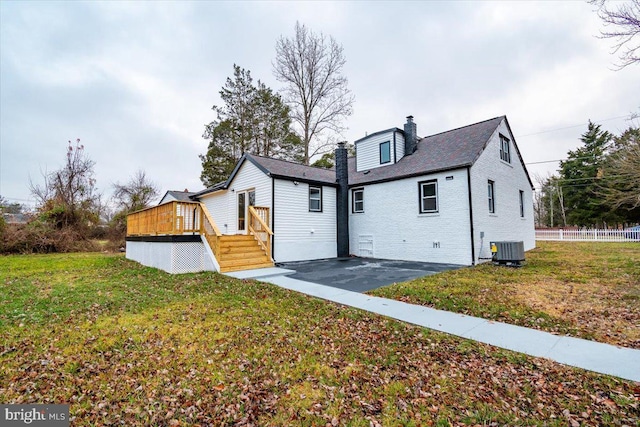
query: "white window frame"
422, 197
313, 199
354, 202
521, 197
505, 149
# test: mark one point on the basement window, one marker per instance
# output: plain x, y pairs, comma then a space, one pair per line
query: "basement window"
315, 199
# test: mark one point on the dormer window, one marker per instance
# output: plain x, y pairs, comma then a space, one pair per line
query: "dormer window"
505, 149
385, 152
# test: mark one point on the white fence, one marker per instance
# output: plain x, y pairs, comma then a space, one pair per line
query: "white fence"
589, 235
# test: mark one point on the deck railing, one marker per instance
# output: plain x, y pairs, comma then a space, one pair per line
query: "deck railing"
177, 218
170, 218
258, 226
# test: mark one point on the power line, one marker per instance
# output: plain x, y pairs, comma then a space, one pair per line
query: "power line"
573, 126
561, 160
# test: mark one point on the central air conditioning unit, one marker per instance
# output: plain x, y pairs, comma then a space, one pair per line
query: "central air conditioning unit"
508, 253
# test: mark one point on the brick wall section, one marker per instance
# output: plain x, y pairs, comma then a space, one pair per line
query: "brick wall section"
391, 215
509, 178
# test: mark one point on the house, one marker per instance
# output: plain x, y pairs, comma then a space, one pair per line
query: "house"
442, 198
172, 195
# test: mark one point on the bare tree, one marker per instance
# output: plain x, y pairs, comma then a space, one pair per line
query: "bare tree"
311, 68
623, 25
136, 194
69, 196
621, 175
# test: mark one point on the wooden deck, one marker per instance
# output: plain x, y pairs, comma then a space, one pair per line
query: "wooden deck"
232, 252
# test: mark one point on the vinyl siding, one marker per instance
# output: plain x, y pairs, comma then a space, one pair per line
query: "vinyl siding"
298, 233
368, 151
509, 179
399, 146
223, 205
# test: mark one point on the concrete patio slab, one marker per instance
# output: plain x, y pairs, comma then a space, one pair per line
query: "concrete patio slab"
362, 274
260, 273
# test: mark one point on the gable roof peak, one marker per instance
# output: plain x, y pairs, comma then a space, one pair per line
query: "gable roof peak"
466, 126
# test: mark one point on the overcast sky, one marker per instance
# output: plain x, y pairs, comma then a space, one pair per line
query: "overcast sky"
135, 81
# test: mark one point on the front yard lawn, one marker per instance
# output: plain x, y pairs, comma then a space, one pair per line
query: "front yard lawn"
129, 345
587, 290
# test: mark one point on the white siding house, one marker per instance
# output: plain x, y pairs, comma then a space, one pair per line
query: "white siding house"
301, 233
301, 199
442, 198
228, 207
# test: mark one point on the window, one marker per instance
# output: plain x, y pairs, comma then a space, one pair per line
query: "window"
315, 199
521, 204
385, 152
492, 197
242, 210
428, 196
357, 199
505, 149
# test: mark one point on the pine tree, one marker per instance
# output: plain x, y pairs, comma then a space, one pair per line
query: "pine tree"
579, 176
253, 119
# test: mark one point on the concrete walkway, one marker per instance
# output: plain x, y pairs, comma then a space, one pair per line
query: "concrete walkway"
590, 355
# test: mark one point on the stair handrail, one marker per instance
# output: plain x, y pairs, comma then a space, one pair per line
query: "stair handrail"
213, 237
264, 228
208, 217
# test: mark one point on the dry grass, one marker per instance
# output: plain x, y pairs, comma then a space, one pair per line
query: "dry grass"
128, 345
589, 290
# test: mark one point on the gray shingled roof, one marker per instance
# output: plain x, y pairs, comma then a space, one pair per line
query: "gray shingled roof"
214, 187
277, 169
457, 148
290, 170
180, 195
444, 151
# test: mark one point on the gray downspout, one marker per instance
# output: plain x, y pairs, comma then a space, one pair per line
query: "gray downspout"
473, 244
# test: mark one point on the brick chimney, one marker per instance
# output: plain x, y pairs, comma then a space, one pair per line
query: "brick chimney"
342, 205
410, 136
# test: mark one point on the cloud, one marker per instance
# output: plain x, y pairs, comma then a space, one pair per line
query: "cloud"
136, 80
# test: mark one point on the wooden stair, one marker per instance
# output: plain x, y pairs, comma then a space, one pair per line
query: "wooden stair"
241, 252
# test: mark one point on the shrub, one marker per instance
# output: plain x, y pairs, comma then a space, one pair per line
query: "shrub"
40, 237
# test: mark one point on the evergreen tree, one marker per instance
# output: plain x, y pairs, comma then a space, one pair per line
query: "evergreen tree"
579, 176
621, 184
253, 119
